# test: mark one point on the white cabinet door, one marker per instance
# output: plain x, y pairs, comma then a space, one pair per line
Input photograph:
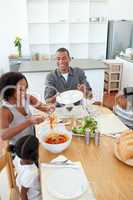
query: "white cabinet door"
96, 81
79, 25
36, 82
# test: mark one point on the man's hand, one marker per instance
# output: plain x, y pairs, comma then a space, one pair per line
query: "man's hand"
84, 89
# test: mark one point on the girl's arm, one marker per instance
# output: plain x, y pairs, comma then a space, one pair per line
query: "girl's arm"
41, 106
5, 120
24, 193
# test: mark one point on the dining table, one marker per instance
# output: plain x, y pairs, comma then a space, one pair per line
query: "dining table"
110, 178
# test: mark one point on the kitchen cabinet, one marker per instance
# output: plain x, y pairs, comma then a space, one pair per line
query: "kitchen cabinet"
113, 74
78, 25
15, 63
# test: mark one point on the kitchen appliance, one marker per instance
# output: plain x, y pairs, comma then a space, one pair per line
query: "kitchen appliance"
119, 37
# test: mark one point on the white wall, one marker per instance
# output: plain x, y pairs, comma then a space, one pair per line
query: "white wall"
113, 9
13, 22
120, 9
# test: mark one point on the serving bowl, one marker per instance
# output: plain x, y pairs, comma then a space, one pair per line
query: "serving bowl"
45, 130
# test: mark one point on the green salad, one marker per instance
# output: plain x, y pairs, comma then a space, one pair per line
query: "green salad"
87, 122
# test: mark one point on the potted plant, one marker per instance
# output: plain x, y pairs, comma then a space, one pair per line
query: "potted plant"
17, 43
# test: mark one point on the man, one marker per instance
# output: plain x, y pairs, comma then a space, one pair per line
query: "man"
65, 78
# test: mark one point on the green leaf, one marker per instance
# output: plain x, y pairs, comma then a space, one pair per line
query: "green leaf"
79, 130
89, 122
17, 41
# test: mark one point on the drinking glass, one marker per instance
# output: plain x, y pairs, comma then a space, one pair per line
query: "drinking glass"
69, 108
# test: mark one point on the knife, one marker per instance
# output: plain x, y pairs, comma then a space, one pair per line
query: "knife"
73, 166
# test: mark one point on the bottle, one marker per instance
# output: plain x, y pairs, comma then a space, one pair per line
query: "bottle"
87, 136
97, 137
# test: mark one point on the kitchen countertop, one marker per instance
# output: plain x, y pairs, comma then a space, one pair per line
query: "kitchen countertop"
126, 58
49, 65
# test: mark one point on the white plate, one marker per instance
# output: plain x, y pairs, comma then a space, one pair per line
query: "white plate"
128, 162
69, 97
78, 134
67, 183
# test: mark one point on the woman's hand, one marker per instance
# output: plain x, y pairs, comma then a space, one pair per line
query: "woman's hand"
50, 108
36, 119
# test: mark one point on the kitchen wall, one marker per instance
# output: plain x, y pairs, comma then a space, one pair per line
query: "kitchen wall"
120, 9
13, 22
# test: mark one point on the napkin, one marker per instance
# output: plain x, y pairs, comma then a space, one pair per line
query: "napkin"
110, 124
45, 172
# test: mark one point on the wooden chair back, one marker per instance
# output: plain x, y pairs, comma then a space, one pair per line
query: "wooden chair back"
6, 163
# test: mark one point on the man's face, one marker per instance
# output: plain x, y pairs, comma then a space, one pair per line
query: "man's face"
62, 60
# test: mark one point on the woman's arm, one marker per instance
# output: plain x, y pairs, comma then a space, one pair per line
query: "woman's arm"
41, 106
5, 120
24, 193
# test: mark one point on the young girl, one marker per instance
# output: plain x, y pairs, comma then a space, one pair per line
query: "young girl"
26, 165
15, 117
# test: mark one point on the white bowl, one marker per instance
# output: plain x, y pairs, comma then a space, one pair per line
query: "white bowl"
54, 148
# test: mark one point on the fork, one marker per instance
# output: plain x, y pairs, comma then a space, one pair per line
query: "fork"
58, 162
84, 107
61, 164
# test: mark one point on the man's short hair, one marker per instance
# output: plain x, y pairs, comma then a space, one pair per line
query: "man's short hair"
63, 50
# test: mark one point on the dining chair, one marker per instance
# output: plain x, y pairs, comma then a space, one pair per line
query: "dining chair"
7, 179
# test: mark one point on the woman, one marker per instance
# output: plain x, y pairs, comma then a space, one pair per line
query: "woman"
15, 117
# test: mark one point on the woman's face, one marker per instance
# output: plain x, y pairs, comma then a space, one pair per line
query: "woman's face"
21, 88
